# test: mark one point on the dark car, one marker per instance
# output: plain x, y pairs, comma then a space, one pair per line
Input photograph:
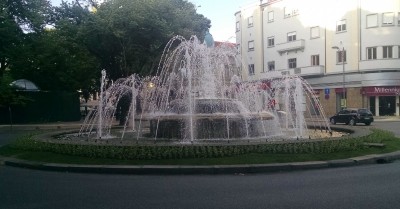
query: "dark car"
353, 116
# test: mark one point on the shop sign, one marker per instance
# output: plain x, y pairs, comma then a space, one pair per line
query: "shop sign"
381, 90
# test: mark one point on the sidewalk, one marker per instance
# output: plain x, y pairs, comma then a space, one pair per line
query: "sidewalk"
44, 126
386, 118
77, 124
376, 118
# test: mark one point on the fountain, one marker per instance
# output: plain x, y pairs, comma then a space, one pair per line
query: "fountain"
197, 95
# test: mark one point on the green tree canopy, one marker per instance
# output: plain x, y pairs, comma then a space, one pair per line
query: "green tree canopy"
18, 17
121, 36
129, 35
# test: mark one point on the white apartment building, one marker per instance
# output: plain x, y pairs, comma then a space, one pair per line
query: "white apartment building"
348, 50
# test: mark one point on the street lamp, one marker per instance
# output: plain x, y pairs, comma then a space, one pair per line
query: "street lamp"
344, 103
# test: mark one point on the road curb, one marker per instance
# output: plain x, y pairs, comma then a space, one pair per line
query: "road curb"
213, 169
341, 163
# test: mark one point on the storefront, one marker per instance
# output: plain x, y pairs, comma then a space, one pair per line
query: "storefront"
383, 100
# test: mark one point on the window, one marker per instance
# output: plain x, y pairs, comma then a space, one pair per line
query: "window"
238, 48
271, 66
314, 32
388, 18
315, 60
344, 112
271, 41
372, 20
237, 26
291, 36
292, 63
387, 52
250, 21
371, 53
251, 69
398, 19
271, 16
288, 12
341, 26
251, 45
341, 56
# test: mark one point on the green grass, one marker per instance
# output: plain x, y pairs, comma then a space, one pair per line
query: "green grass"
378, 136
252, 158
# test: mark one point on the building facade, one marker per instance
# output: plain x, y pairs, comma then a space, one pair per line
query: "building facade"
348, 50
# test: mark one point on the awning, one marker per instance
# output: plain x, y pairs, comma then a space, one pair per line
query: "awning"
340, 90
381, 90
24, 85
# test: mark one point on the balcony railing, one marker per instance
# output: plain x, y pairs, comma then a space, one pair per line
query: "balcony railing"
381, 64
290, 46
318, 70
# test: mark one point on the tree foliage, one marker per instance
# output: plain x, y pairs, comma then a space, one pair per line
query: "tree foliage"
65, 47
8, 97
130, 35
18, 17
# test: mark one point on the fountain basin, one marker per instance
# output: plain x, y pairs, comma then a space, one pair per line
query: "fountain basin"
211, 119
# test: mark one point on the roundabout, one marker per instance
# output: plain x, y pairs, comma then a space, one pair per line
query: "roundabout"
71, 143
197, 116
193, 164
199, 164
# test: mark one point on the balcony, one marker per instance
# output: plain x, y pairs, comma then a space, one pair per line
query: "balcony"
379, 64
318, 70
290, 46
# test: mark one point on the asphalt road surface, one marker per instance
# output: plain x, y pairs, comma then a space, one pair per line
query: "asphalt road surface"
370, 186
393, 126
7, 136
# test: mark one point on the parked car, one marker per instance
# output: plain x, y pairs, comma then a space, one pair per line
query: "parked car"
353, 116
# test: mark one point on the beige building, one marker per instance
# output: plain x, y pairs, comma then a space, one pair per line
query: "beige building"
348, 50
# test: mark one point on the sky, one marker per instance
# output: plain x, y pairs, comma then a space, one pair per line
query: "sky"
220, 12
222, 16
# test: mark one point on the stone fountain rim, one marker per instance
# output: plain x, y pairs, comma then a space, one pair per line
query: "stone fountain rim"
167, 116
49, 137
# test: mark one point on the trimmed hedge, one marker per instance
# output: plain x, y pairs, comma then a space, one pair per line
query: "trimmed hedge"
200, 151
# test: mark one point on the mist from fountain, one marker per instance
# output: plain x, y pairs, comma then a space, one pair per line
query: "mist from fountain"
197, 94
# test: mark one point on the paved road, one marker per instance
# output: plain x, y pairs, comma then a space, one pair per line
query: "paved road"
370, 186
393, 126
7, 135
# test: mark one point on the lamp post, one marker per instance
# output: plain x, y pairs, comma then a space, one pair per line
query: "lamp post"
344, 103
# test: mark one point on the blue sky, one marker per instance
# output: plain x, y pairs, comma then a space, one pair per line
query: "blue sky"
220, 12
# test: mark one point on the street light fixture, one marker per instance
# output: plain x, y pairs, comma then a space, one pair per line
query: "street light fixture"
344, 103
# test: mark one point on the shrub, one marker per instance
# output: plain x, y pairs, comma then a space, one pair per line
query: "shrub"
200, 151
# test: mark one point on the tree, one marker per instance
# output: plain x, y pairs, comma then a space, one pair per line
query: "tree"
56, 58
123, 37
129, 35
18, 17
56, 61
9, 97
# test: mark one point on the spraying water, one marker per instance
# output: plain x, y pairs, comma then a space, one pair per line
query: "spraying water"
198, 94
